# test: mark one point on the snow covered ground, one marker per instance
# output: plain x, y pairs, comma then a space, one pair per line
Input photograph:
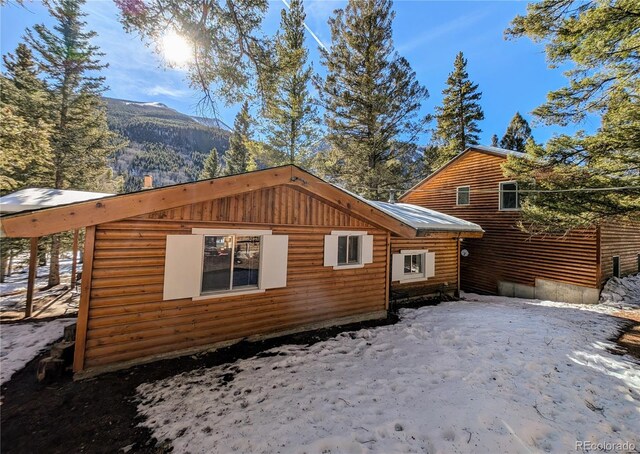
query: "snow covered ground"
498, 376
13, 292
17, 282
21, 342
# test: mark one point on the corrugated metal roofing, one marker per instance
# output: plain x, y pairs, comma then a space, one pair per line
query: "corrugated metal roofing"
425, 219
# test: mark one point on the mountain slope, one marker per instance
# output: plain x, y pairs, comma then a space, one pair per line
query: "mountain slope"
163, 142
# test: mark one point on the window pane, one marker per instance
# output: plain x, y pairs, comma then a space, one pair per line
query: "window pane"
216, 273
342, 250
246, 263
509, 196
413, 264
354, 249
417, 263
463, 196
407, 264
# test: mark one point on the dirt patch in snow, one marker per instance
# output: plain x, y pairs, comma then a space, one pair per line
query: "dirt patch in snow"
100, 415
629, 339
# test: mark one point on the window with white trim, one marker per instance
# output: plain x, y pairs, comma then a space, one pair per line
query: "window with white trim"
347, 249
230, 262
463, 195
509, 197
413, 266
211, 262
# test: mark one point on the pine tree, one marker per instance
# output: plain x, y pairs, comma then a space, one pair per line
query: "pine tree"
292, 122
24, 130
494, 141
80, 139
229, 51
599, 40
371, 99
211, 165
458, 117
517, 134
237, 156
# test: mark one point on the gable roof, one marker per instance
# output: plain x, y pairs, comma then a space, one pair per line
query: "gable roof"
81, 214
36, 198
425, 220
495, 151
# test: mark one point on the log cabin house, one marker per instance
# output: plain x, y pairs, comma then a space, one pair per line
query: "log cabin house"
195, 266
507, 261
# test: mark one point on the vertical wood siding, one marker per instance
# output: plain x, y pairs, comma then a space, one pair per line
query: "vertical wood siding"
622, 240
276, 205
128, 319
446, 277
504, 253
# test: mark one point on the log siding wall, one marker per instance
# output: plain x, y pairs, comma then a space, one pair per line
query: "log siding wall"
504, 253
622, 240
446, 261
129, 321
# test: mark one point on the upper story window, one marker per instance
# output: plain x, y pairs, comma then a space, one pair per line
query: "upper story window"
509, 197
463, 195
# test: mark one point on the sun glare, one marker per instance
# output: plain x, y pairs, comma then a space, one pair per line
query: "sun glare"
176, 49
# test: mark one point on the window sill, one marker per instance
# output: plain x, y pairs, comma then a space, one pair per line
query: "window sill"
213, 295
348, 267
509, 209
412, 279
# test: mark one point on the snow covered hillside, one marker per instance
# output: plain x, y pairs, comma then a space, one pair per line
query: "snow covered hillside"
458, 377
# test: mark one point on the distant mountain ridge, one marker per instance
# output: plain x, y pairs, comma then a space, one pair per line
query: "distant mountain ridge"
167, 144
142, 108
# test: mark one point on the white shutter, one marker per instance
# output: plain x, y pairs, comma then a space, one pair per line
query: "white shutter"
330, 250
430, 264
273, 261
367, 249
397, 267
183, 266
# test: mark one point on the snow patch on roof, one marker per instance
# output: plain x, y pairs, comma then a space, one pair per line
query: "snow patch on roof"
37, 198
425, 219
418, 217
502, 151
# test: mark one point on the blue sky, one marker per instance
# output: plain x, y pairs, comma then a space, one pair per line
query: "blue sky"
512, 75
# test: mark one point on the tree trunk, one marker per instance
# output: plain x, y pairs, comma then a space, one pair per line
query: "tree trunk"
42, 254
4, 267
54, 261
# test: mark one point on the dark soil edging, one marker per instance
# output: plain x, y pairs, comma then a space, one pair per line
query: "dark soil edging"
629, 339
99, 415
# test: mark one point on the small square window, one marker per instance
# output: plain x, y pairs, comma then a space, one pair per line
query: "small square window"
463, 194
509, 198
348, 250
414, 265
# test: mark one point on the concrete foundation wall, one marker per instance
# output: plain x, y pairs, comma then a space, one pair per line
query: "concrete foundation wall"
552, 291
